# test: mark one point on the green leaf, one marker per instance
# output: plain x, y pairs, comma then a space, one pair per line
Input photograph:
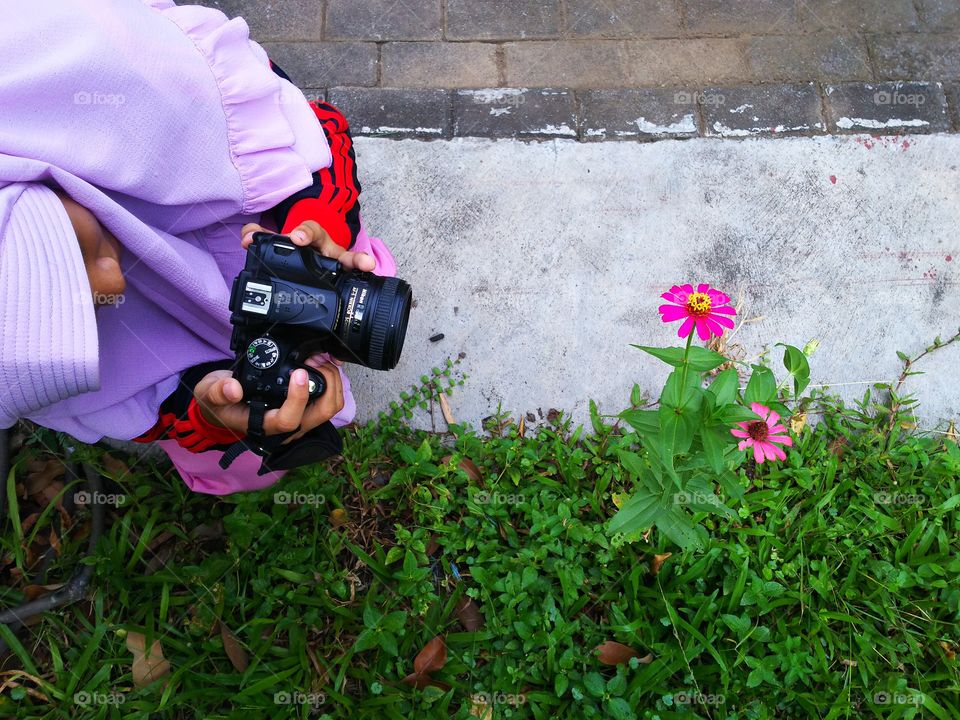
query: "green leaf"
732, 414
699, 359
371, 616
365, 640
633, 463
677, 525
645, 422
715, 440
388, 642
637, 513
725, 386
677, 428
620, 709
797, 365
762, 387
594, 684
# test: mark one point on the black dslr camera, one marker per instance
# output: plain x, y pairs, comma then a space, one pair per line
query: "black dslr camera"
291, 302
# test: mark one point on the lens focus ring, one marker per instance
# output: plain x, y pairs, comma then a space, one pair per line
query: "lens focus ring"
381, 322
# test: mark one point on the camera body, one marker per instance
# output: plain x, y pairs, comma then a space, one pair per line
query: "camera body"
289, 303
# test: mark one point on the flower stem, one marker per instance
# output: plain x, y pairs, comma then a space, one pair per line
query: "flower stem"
686, 366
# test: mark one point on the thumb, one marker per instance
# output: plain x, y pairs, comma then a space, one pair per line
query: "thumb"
224, 392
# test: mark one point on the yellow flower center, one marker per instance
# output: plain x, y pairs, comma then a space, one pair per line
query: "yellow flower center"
699, 303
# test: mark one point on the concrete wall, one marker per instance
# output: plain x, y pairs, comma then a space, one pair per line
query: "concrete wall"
544, 261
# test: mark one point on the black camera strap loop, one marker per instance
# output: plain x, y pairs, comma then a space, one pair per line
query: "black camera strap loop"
256, 437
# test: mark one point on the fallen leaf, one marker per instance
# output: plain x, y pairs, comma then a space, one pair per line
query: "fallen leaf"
148, 666
41, 475
798, 422
614, 653
238, 656
952, 432
432, 657
656, 562
469, 614
521, 428
117, 469
55, 541
837, 446
479, 708
445, 409
948, 649
32, 592
339, 517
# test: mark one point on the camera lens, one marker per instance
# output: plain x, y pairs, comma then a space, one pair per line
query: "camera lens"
373, 318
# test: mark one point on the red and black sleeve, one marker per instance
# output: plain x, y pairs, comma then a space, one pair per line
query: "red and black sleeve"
333, 199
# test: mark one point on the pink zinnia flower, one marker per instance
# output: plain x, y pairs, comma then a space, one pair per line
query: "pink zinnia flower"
707, 308
763, 435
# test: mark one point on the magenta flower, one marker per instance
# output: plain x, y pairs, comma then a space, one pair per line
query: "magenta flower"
706, 308
763, 435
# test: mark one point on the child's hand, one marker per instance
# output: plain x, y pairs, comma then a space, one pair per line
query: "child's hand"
220, 397
311, 234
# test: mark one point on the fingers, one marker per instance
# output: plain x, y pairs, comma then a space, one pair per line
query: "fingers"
222, 393
289, 416
328, 405
310, 234
246, 233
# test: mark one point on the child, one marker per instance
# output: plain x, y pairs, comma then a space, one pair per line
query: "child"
141, 147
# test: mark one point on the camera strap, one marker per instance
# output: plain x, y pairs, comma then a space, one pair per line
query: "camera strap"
256, 438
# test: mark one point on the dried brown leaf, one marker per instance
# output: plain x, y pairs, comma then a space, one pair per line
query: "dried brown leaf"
471, 469
445, 409
613, 653
148, 665
469, 614
235, 651
656, 562
432, 657
521, 428
32, 592
339, 517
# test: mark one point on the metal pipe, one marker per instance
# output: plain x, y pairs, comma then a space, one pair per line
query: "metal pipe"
77, 586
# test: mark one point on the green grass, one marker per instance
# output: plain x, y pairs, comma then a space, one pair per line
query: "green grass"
834, 593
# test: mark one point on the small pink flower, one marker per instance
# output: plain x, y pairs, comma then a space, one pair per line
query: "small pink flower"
763, 435
706, 308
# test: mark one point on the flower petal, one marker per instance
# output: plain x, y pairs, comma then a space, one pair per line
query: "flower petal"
782, 439
761, 410
722, 320
744, 444
777, 430
770, 450
725, 309
704, 288
736, 432
703, 330
778, 453
772, 418
758, 452
714, 326
686, 328
671, 313
717, 297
